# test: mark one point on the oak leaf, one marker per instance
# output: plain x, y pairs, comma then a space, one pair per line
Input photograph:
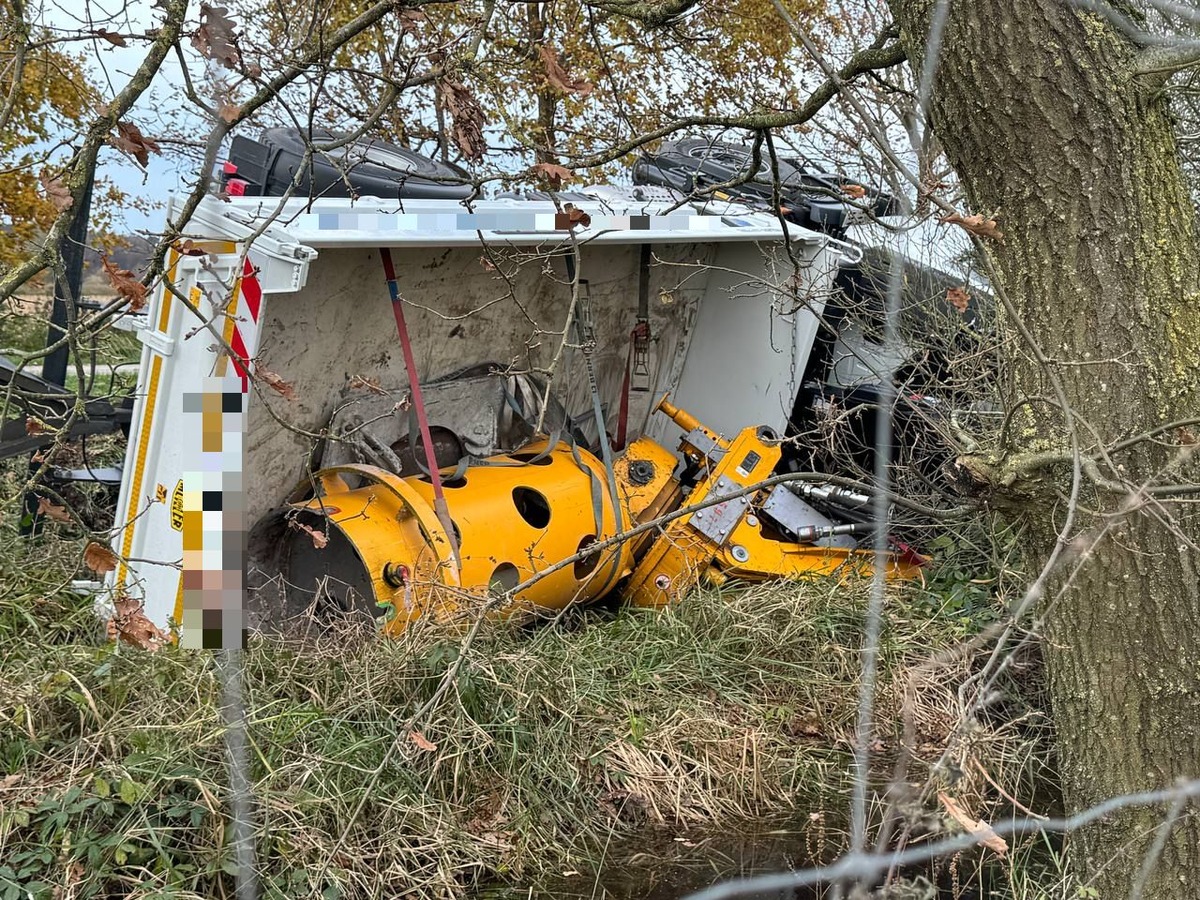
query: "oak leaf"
320, 541
555, 174
188, 248
98, 558
557, 76
571, 216
981, 830
367, 383
958, 298
422, 742
466, 118
129, 623
410, 19
130, 140
283, 388
975, 224
125, 283
216, 38
52, 510
112, 37
56, 191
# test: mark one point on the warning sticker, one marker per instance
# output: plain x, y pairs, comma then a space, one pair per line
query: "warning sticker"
177, 506
748, 464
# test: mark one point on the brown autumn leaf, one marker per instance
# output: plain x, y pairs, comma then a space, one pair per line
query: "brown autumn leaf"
52, 511
216, 38
130, 140
558, 77
1186, 437
981, 830
320, 541
129, 623
111, 36
488, 265
466, 118
125, 283
555, 174
361, 382
854, 191
229, 112
422, 742
283, 388
571, 216
958, 298
188, 248
34, 426
976, 225
56, 191
98, 558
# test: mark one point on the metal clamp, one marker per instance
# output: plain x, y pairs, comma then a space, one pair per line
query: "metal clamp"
848, 254
157, 341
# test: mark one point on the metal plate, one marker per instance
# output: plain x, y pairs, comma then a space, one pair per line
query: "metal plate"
699, 439
717, 522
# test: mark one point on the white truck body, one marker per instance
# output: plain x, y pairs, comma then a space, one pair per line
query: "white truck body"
733, 313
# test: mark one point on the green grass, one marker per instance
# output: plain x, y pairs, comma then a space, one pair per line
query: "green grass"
731, 708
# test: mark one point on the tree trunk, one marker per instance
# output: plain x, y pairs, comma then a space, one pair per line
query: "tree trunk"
1039, 111
543, 132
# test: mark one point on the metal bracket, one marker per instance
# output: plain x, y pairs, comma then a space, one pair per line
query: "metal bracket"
849, 254
717, 522
157, 341
699, 439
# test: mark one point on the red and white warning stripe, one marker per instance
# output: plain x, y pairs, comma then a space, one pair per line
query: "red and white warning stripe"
244, 340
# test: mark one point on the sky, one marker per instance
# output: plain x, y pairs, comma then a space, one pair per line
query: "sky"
160, 111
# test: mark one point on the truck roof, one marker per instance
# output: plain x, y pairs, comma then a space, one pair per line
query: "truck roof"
374, 222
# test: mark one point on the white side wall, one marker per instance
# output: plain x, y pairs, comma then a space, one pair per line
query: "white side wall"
752, 337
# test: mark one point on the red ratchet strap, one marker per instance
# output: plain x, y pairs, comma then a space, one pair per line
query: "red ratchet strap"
418, 402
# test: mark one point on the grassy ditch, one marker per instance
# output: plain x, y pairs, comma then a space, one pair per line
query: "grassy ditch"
551, 743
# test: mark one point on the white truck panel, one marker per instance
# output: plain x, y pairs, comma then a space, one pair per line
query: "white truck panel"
723, 343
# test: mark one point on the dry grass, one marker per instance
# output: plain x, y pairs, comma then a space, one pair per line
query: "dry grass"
732, 707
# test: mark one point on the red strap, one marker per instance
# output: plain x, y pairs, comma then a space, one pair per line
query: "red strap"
418, 401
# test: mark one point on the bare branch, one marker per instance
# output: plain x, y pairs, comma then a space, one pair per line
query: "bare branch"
1164, 60
860, 63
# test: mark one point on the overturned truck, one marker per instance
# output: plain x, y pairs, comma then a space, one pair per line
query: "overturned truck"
433, 408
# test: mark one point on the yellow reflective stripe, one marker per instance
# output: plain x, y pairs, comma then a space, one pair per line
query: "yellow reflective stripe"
139, 466
143, 448
178, 614
227, 331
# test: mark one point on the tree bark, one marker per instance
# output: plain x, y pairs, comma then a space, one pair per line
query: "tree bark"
1039, 109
